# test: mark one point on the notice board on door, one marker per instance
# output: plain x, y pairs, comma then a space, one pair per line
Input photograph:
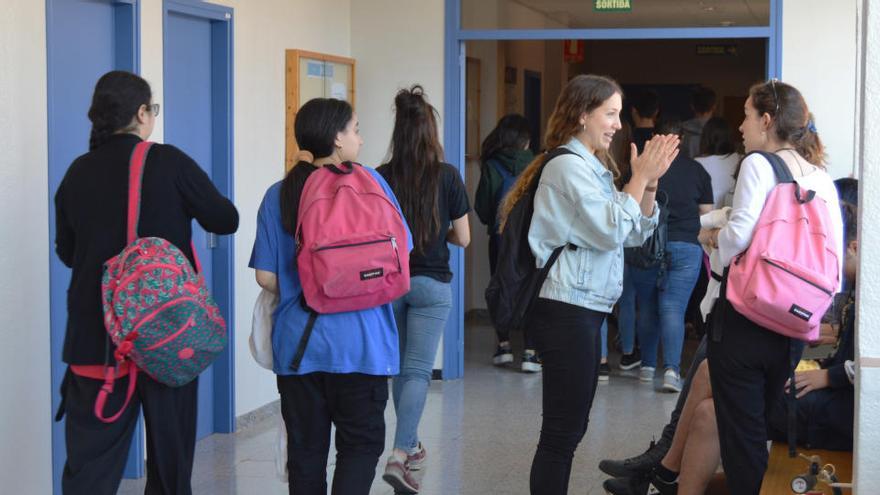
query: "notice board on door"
313, 75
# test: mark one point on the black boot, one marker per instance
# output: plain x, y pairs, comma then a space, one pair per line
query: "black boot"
638, 465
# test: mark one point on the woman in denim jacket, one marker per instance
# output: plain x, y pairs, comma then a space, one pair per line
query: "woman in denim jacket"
577, 204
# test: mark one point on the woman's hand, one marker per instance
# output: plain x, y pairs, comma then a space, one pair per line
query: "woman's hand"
655, 158
807, 381
709, 237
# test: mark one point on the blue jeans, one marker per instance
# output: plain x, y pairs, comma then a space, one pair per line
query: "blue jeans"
661, 310
421, 317
604, 332
626, 312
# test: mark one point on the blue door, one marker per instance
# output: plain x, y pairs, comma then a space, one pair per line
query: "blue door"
197, 113
84, 39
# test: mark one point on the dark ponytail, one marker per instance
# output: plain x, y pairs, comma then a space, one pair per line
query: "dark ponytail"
792, 120
415, 165
118, 97
317, 123
512, 132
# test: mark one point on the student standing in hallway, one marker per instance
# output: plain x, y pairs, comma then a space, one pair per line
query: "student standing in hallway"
434, 202
505, 154
91, 205
342, 375
577, 205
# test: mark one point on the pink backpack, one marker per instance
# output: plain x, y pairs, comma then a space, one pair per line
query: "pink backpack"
351, 242
786, 279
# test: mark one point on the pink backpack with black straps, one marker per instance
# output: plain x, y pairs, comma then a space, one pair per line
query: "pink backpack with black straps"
786, 279
351, 242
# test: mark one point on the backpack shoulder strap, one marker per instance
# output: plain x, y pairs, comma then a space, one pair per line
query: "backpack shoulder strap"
501, 169
780, 169
549, 155
135, 178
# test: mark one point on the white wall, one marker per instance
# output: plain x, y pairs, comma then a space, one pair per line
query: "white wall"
867, 465
396, 43
25, 455
819, 58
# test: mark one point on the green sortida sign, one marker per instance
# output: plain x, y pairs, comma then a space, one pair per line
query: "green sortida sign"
612, 5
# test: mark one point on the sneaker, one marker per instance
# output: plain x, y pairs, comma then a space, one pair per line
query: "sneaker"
530, 362
638, 465
648, 484
630, 361
671, 381
415, 460
646, 374
604, 372
399, 477
502, 355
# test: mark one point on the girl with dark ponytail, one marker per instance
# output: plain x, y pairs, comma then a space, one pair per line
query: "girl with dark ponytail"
343, 374
435, 205
91, 219
750, 363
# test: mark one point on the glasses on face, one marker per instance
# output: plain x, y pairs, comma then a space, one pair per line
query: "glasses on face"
154, 109
775, 94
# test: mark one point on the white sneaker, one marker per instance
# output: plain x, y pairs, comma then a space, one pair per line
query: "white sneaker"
530, 362
646, 373
671, 381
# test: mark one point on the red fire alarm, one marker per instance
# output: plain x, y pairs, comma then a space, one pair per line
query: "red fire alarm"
573, 50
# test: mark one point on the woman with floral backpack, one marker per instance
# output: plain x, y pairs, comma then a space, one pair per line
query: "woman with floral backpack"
91, 221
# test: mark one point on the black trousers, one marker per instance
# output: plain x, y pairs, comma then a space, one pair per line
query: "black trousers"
504, 336
749, 367
355, 403
97, 451
699, 357
568, 342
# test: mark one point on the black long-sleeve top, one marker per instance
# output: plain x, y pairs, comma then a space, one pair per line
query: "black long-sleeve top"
90, 207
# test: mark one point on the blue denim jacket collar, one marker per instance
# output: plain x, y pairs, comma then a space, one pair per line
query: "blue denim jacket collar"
595, 165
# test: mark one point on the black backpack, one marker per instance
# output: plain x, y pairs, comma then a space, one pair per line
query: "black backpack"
653, 252
517, 282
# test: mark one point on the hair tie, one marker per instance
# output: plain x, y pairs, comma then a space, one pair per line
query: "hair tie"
811, 126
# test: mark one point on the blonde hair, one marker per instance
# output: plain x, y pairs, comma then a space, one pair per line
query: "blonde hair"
582, 94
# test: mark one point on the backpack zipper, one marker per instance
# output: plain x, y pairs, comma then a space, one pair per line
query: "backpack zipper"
391, 239
786, 270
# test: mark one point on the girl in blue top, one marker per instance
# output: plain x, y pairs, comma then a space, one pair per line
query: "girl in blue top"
342, 378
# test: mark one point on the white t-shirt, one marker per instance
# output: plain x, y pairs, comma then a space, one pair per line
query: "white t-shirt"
721, 169
756, 180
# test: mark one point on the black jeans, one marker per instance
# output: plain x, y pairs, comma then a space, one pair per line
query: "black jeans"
568, 342
504, 336
355, 403
749, 367
669, 429
97, 451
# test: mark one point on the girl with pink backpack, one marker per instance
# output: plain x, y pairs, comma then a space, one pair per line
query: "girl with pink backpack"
334, 340
783, 256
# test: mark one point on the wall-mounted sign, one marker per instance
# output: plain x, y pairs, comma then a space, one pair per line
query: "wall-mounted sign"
573, 50
612, 5
717, 50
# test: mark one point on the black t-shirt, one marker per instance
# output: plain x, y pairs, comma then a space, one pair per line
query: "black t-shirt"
642, 135
90, 207
687, 185
452, 204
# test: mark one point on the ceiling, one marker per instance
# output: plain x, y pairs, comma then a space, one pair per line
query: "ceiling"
649, 13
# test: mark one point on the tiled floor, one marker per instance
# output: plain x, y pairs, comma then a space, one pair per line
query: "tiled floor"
480, 433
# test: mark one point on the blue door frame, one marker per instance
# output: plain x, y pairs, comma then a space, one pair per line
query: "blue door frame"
454, 111
61, 127
223, 284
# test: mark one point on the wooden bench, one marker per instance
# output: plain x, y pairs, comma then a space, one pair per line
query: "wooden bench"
781, 469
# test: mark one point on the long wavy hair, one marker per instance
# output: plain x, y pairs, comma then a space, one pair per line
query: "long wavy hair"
582, 94
415, 164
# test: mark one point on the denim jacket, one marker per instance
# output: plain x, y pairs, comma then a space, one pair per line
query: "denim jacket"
577, 203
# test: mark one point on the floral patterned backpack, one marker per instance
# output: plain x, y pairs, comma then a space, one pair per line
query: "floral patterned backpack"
157, 309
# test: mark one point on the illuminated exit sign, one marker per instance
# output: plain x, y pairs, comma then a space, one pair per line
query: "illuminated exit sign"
612, 5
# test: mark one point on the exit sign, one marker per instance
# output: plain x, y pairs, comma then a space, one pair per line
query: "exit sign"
612, 5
